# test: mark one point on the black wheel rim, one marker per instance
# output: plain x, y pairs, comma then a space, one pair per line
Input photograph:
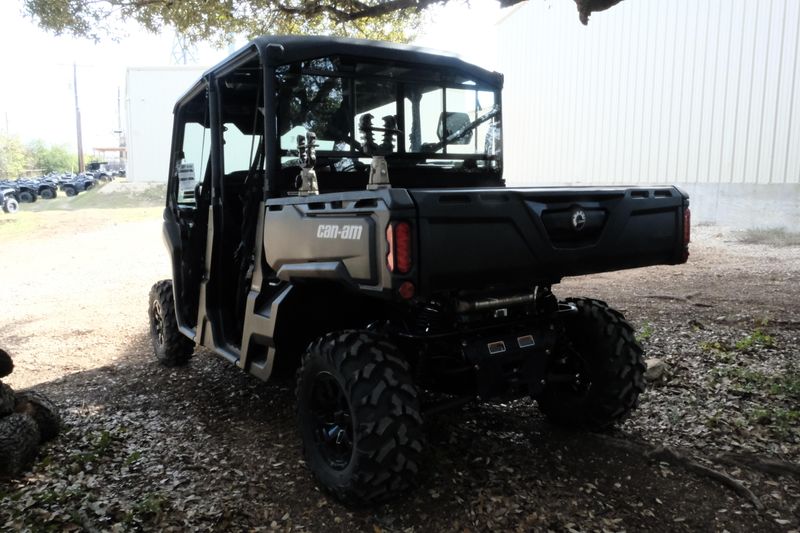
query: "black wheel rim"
573, 361
158, 324
332, 419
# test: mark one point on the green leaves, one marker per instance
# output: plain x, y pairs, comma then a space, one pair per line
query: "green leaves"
16, 158
50, 158
13, 157
218, 21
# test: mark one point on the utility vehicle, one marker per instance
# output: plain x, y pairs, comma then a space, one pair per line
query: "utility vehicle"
77, 183
99, 170
350, 226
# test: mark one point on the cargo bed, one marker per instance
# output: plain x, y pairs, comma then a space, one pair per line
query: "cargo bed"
485, 237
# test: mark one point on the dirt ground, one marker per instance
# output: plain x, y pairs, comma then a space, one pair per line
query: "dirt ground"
208, 447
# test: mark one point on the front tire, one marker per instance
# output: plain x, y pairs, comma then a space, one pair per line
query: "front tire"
171, 347
27, 197
70, 191
19, 443
47, 193
358, 414
601, 349
10, 206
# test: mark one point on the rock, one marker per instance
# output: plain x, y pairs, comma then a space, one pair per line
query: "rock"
656, 369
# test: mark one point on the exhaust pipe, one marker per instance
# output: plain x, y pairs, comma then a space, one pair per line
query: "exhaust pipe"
492, 303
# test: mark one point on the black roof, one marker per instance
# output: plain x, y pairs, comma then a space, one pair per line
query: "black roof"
283, 49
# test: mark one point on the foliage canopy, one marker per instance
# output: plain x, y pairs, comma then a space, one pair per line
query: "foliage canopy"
217, 21
17, 158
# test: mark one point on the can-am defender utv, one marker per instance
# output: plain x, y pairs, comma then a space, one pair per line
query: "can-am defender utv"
336, 208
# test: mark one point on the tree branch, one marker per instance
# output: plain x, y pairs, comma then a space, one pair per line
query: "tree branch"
668, 455
363, 11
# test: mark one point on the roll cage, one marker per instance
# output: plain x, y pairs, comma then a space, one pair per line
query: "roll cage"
252, 80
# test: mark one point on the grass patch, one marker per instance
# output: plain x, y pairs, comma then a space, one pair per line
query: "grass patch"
645, 332
152, 503
770, 236
714, 347
132, 458
779, 385
779, 419
754, 340
148, 508
104, 205
101, 447
49, 224
749, 343
112, 195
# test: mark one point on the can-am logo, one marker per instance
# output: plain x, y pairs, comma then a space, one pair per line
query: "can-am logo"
350, 232
578, 220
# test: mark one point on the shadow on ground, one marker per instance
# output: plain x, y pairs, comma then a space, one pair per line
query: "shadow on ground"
207, 446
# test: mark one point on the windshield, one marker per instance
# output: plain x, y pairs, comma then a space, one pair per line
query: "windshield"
413, 116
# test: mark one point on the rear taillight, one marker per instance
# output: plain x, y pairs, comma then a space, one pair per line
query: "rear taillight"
398, 239
687, 234
687, 226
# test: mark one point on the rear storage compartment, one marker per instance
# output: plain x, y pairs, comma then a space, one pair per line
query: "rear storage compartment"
472, 239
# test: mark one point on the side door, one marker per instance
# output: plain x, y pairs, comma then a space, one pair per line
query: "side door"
188, 200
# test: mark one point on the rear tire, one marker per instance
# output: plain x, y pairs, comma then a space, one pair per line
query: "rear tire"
19, 443
47, 194
358, 414
171, 347
42, 410
601, 348
70, 191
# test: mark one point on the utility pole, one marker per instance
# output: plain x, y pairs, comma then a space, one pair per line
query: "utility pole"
119, 123
78, 118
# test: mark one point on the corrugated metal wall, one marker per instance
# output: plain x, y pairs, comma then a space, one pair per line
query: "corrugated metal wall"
679, 91
151, 96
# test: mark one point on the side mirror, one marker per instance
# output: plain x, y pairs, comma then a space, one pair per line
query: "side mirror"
450, 123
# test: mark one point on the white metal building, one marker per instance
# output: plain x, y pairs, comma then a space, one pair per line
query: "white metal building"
151, 96
703, 94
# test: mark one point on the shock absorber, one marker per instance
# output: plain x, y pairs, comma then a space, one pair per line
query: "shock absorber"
389, 131
367, 136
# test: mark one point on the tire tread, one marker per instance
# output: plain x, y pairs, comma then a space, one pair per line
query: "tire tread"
386, 413
177, 349
622, 371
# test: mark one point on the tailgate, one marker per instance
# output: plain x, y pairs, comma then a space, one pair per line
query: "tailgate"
486, 237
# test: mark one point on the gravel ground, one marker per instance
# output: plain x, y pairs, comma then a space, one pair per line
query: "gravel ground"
208, 447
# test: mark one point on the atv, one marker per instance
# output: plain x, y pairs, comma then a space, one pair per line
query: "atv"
8, 200
24, 191
72, 185
47, 189
350, 228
